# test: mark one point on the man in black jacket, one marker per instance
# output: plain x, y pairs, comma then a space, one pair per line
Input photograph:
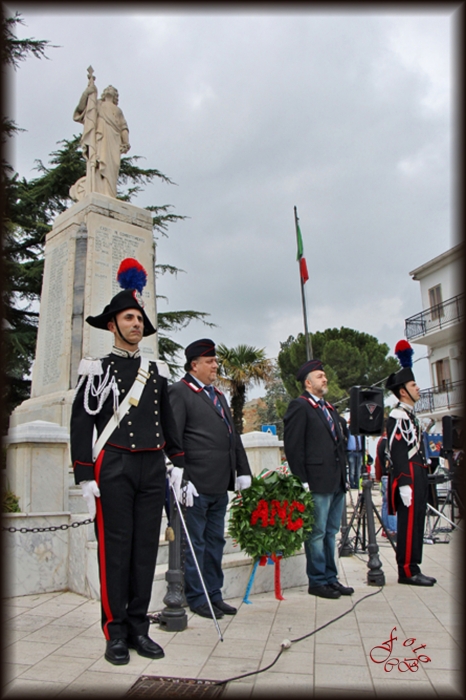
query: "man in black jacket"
123, 480
215, 463
315, 451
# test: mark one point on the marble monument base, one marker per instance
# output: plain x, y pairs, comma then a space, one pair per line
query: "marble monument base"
37, 469
263, 450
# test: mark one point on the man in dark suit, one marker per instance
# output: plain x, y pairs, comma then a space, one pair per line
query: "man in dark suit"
315, 451
215, 463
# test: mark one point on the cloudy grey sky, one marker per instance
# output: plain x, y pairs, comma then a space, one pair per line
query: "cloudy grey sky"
347, 115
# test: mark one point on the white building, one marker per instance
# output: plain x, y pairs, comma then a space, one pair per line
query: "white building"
439, 326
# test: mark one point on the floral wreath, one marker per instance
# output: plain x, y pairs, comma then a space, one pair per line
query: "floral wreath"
271, 520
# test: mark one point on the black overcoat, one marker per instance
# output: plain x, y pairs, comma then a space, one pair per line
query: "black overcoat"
214, 454
311, 451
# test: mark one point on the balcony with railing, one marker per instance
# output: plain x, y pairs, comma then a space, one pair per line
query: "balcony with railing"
437, 318
441, 398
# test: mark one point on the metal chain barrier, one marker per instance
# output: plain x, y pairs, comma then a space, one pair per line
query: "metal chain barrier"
52, 528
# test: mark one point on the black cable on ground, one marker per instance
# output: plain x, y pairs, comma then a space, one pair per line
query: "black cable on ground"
286, 643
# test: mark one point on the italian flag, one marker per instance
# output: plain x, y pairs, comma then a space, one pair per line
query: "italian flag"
300, 257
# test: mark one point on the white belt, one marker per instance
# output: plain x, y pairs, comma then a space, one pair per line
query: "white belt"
132, 399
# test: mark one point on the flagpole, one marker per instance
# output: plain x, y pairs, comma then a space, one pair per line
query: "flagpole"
303, 295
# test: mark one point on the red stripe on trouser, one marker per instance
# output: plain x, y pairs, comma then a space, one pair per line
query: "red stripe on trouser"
409, 533
101, 546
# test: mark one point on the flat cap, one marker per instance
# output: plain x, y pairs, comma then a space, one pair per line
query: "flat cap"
200, 348
309, 366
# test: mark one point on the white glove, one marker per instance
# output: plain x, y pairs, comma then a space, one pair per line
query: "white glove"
406, 493
90, 493
242, 482
306, 487
175, 477
187, 494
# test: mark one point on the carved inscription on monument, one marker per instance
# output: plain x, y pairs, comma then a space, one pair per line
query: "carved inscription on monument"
111, 246
55, 313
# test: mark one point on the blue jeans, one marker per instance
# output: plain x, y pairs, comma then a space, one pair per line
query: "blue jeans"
205, 521
389, 521
321, 568
354, 467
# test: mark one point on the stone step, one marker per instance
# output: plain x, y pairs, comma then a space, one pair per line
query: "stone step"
237, 568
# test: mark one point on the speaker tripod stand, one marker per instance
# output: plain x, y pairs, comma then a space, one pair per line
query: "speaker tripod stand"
363, 514
448, 513
359, 523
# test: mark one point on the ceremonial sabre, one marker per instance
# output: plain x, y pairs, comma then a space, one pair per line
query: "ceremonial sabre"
195, 561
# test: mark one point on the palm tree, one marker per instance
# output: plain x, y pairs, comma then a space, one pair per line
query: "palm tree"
240, 368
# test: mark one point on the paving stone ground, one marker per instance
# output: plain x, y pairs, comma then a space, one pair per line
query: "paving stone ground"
54, 647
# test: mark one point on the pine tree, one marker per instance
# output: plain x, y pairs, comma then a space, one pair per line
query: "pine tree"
18, 334
349, 357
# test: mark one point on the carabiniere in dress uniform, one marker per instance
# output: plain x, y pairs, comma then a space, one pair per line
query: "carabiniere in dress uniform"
407, 482
122, 399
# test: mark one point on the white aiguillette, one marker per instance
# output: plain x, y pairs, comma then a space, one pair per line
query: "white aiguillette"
132, 399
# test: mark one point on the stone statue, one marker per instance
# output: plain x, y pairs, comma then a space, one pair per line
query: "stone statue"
105, 137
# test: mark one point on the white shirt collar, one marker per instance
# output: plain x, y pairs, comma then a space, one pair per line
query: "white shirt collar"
125, 353
406, 406
201, 384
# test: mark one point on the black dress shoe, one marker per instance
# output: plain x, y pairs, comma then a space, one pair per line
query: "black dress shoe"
224, 608
323, 591
146, 647
204, 611
417, 580
431, 578
344, 590
116, 652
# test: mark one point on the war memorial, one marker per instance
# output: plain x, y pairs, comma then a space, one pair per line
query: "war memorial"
82, 254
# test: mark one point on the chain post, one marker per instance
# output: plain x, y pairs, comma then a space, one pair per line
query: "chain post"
173, 617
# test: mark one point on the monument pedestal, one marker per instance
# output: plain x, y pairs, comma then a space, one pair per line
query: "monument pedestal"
37, 466
263, 450
82, 254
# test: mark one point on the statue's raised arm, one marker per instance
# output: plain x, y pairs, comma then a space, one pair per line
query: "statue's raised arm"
105, 136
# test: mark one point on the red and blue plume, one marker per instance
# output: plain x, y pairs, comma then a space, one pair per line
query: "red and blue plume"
404, 353
131, 275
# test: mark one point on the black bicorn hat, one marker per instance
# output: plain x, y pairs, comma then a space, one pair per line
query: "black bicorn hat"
200, 348
132, 277
404, 352
309, 366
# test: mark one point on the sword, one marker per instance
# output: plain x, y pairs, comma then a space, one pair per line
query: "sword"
444, 517
195, 561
